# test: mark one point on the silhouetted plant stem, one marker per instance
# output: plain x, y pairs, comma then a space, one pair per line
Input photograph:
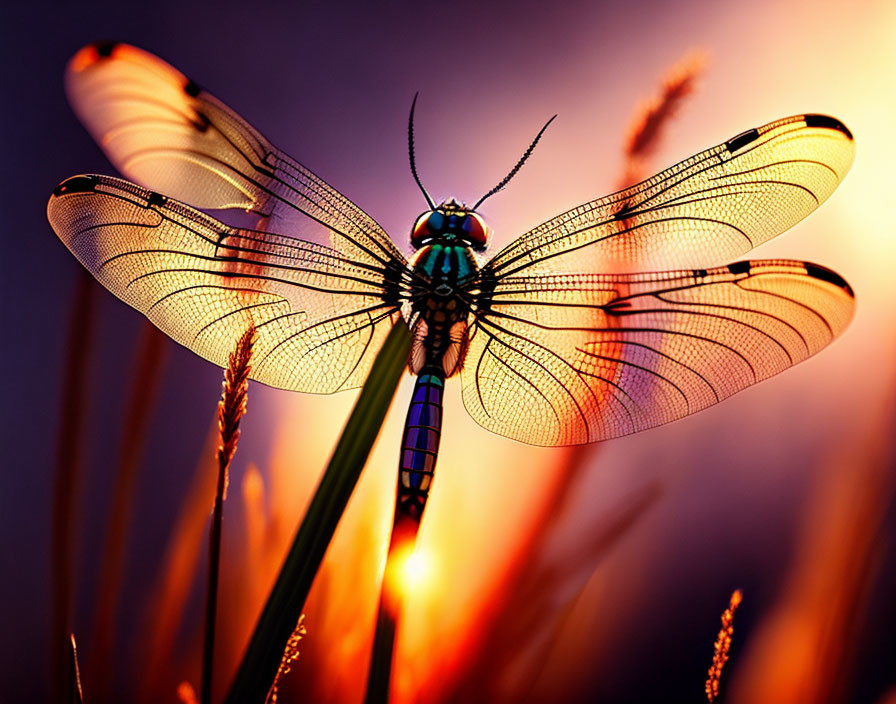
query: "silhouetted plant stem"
380, 672
147, 371
67, 482
231, 409
284, 605
401, 543
528, 589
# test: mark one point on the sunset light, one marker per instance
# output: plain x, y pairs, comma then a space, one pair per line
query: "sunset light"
522, 451
413, 570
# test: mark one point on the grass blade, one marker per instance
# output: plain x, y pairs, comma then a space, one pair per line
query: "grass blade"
69, 473
284, 605
149, 363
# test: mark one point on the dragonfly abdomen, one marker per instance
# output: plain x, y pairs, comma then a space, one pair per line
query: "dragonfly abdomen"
420, 442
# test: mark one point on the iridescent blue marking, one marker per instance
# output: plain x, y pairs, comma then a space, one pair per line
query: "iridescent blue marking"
423, 438
424, 414
463, 266
419, 462
446, 263
429, 259
420, 442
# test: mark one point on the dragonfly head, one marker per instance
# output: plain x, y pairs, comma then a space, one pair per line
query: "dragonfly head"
451, 221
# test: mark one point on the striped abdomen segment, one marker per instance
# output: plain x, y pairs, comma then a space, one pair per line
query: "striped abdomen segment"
420, 443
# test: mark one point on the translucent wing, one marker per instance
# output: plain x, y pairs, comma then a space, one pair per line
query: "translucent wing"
707, 210
568, 359
320, 317
163, 131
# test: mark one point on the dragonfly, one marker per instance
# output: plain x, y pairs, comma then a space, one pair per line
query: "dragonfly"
613, 317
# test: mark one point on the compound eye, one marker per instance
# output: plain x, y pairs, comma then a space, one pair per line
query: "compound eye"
476, 231
436, 222
424, 227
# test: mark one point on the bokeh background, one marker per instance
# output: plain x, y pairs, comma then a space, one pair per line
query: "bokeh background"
553, 575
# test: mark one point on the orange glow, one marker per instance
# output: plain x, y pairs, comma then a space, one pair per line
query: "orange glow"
409, 570
803, 649
504, 513
179, 569
186, 694
84, 58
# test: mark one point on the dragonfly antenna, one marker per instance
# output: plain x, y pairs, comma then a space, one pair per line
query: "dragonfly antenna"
411, 153
516, 168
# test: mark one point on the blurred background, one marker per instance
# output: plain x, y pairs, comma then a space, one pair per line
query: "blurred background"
552, 575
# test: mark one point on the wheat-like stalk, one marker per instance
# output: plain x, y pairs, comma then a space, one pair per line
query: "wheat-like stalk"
290, 655
76, 694
231, 408
234, 397
722, 646
653, 117
529, 591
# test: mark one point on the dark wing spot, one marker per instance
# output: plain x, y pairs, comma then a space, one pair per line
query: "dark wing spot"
76, 184
201, 123
192, 89
739, 268
105, 49
831, 123
616, 307
156, 199
701, 273
832, 277
624, 211
742, 140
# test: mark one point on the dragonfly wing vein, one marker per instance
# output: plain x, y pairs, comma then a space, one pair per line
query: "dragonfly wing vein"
166, 133
706, 210
319, 315
620, 353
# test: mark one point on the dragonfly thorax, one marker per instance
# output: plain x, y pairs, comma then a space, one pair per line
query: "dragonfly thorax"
450, 221
444, 270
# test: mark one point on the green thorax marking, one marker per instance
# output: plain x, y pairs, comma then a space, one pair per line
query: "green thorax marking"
431, 379
447, 269
446, 262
